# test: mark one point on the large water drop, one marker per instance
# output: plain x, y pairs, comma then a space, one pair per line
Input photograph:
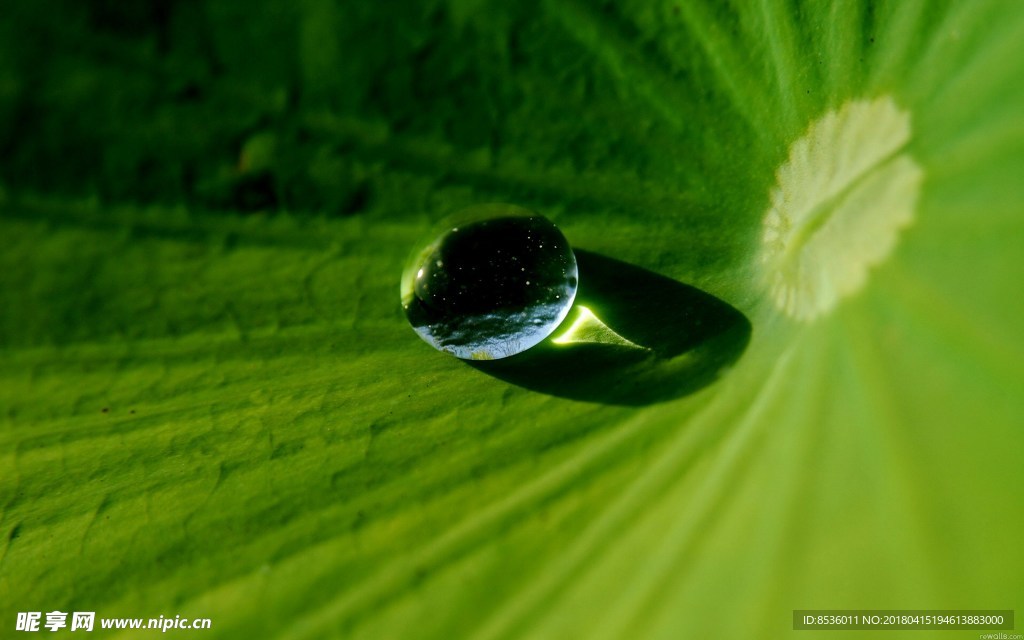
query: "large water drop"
492, 287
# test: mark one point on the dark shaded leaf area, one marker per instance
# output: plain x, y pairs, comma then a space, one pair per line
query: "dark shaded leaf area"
299, 106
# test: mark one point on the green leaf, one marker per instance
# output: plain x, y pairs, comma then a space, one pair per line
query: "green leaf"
211, 405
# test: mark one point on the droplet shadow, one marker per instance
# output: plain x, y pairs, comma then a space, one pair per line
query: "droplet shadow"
689, 336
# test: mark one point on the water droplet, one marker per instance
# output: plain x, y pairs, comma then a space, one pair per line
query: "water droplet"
515, 271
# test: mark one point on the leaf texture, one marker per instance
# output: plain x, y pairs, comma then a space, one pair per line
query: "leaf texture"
211, 405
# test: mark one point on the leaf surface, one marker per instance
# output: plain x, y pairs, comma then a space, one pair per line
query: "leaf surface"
213, 407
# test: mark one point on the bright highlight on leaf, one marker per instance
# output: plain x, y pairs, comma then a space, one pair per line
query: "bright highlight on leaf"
587, 327
840, 201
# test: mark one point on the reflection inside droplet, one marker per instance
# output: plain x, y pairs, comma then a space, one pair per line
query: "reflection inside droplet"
493, 287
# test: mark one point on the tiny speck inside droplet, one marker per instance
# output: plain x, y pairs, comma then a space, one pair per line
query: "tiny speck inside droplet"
491, 288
